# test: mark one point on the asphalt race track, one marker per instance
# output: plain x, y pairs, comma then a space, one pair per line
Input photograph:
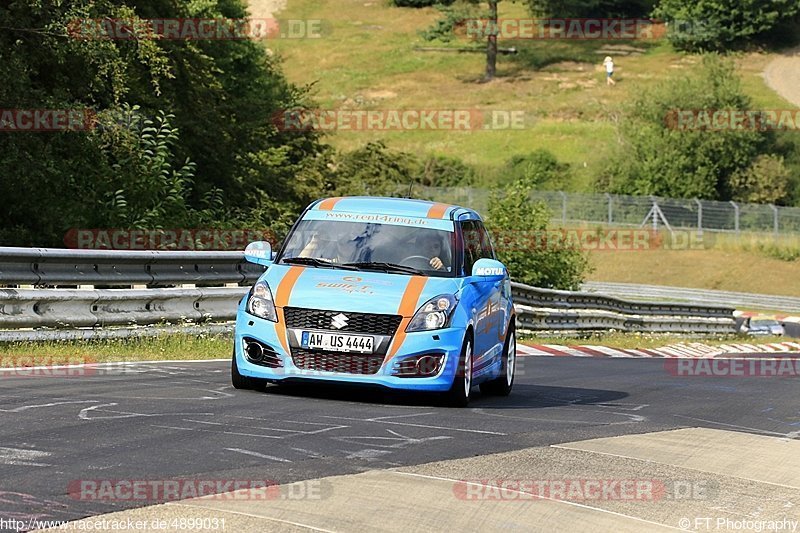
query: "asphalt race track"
184, 420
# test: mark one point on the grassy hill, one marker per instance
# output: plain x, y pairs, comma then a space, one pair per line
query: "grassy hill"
367, 59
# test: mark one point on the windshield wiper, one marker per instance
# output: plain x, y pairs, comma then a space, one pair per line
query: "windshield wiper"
313, 261
388, 267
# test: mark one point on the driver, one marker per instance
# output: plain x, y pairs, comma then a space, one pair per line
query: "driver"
430, 246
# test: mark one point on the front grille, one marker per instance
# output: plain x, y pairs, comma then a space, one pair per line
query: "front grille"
347, 363
300, 318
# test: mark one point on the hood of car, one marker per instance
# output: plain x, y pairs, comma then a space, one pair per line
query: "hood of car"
354, 291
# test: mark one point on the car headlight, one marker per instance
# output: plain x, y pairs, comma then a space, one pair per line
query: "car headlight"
434, 314
260, 302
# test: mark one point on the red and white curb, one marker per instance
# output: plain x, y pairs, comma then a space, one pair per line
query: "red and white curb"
690, 350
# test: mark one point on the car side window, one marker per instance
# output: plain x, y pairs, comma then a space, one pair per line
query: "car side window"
472, 244
487, 251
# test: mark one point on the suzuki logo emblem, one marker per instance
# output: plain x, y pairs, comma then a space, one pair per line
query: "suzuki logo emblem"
339, 321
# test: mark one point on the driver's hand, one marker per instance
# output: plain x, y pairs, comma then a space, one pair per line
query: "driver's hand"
436, 263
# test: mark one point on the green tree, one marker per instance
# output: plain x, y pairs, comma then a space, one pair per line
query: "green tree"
220, 95
658, 155
590, 8
374, 170
519, 230
765, 181
721, 24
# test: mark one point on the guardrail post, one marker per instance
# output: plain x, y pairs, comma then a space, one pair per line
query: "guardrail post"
735, 217
563, 208
610, 208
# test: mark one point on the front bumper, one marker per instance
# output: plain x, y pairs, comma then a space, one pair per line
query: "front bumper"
446, 342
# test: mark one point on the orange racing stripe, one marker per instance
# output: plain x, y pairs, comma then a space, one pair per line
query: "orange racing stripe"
438, 210
282, 299
327, 205
408, 305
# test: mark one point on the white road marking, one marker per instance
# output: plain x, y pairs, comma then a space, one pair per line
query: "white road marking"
293, 432
84, 413
260, 455
416, 425
367, 454
26, 407
218, 432
22, 457
402, 439
307, 452
402, 416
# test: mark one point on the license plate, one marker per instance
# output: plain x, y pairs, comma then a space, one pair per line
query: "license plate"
336, 342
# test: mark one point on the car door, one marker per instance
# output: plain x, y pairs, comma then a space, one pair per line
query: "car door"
498, 308
484, 294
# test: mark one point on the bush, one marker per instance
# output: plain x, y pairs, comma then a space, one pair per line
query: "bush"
513, 220
421, 3
538, 169
443, 171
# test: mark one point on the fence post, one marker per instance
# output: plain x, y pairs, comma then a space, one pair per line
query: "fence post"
654, 210
735, 217
610, 209
699, 215
563, 208
774, 219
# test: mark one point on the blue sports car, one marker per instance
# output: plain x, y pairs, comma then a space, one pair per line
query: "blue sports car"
399, 293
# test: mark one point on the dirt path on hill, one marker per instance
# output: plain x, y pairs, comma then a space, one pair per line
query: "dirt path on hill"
783, 75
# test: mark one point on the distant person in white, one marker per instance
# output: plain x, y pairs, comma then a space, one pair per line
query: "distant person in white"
609, 64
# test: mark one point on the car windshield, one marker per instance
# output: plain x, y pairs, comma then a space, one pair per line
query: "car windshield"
370, 246
764, 323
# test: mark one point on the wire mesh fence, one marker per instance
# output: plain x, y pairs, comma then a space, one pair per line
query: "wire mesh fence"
645, 211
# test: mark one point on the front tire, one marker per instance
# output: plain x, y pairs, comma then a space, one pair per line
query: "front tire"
243, 382
459, 393
502, 384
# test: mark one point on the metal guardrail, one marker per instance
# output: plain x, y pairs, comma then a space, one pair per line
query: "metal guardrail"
742, 300
544, 309
50, 305
55, 266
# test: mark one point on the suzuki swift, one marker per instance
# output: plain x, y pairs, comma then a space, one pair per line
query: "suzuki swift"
399, 293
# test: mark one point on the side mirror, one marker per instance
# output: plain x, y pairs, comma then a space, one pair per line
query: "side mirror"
259, 252
489, 270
